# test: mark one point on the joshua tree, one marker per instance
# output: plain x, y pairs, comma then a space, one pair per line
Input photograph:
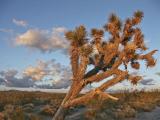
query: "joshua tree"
109, 58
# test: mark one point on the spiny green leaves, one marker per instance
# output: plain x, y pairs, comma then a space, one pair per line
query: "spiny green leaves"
150, 61
80, 32
97, 32
135, 79
113, 18
132, 38
135, 65
69, 35
86, 50
139, 39
130, 47
119, 25
114, 24
138, 14
78, 35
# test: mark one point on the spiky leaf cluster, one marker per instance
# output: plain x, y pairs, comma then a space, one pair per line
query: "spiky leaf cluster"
97, 33
104, 54
114, 25
77, 36
86, 50
135, 65
134, 80
138, 15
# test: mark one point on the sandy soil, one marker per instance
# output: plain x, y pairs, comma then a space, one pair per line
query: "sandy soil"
153, 115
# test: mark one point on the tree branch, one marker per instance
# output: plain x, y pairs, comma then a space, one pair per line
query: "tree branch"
88, 96
83, 66
120, 76
148, 54
74, 60
99, 77
80, 100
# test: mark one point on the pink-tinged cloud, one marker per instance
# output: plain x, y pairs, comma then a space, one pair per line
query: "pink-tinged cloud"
43, 40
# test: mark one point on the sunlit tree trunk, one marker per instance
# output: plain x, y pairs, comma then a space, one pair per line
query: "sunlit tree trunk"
60, 114
62, 111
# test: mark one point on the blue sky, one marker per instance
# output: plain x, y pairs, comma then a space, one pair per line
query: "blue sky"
48, 14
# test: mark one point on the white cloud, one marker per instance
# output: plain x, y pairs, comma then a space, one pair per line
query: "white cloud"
60, 29
37, 72
21, 23
43, 40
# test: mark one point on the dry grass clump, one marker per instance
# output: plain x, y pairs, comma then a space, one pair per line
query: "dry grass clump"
28, 107
125, 112
13, 113
48, 110
34, 117
127, 107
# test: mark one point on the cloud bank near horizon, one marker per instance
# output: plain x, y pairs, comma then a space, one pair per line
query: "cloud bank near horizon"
54, 74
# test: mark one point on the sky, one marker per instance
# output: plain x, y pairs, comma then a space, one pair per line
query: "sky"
32, 43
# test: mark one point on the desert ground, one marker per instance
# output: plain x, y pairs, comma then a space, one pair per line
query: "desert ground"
21, 105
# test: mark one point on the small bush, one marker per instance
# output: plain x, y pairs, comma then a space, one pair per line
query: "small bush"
48, 110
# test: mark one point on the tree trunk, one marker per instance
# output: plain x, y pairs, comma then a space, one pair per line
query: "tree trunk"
61, 113
73, 92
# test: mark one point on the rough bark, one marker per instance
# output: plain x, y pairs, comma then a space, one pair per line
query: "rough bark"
62, 111
74, 59
60, 114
